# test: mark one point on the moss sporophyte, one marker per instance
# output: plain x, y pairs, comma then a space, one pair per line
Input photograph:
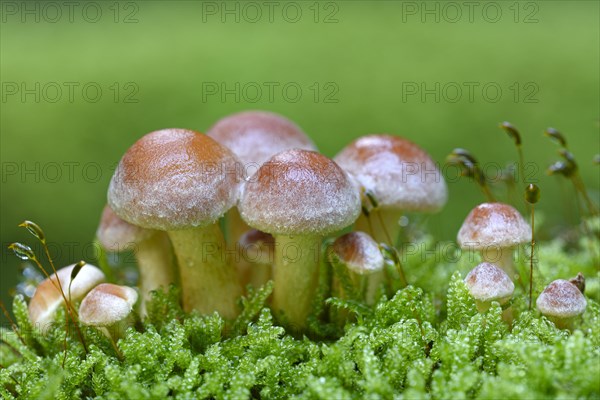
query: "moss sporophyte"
304, 296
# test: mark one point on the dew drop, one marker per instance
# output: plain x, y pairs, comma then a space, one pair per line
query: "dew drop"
22, 251
403, 221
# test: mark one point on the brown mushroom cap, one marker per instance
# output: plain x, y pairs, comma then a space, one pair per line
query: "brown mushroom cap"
115, 234
174, 179
107, 304
561, 299
47, 298
493, 225
487, 283
255, 136
359, 252
399, 173
299, 192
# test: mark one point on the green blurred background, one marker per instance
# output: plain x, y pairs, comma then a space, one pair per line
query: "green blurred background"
357, 64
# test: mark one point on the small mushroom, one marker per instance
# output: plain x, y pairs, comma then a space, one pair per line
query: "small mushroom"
110, 308
488, 283
400, 175
47, 297
182, 182
359, 253
254, 137
561, 302
151, 248
495, 229
257, 255
298, 196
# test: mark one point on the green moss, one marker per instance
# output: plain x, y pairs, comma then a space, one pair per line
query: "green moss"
424, 342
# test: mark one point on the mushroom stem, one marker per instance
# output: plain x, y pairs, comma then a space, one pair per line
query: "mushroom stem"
373, 282
117, 330
234, 225
563, 323
155, 256
366, 286
296, 270
501, 257
385, 226
253, 274
209, 283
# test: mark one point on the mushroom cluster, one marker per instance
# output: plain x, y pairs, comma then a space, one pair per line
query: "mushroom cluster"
496, 230
258, 175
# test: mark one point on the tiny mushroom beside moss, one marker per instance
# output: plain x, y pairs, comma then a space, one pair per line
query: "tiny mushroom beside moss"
561, 302
495, 229
182, 182
151, 249
401, 177
298, 196
488, 283
254, 137
359, 253
110, 308
47, 297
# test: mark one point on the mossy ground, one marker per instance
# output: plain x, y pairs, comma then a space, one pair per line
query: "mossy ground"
426, 341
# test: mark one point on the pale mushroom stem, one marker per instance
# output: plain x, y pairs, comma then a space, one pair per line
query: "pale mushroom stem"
254, 274
117, 330
501, 257
234, 225
563, 323
297, 260
380, 233
209, 283
367, 285
157, 268
372, 285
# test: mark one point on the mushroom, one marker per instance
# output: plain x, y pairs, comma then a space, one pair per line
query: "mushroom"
495, 229
151, 248
488, 283
561, 302
359, 253
398, 174
47, 297
182, 182
298, 196
257, 255
254, 137
110, 308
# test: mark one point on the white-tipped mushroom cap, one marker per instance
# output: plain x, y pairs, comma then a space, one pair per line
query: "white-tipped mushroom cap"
299, 192
257, 247
174, 179
115, 234
493, 225
47, 298
561, 299
107, 304
399, 173
256, 136
488, 283
359, 252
